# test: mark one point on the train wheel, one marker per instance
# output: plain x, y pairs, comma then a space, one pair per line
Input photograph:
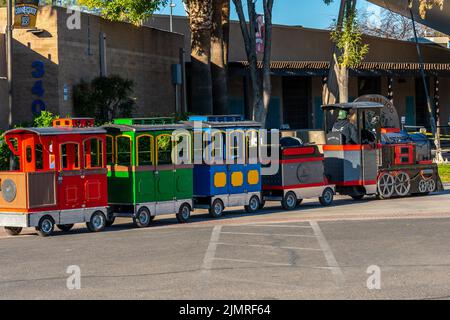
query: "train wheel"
64, 227
289, 201
262, 204
299, 202
423, 187
253, 205
184, 214
143, 218
386, 186
13, 231
431, 185
402, 184
216, 209
327, 197
97, 223
46, 226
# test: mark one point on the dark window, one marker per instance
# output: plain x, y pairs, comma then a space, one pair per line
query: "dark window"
369, 85
124, 151
29, 154
164, 143
93, 153
109, 150
296, 101
145, 150
39, 157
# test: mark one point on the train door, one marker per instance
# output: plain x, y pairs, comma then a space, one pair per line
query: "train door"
164, 174
70, 181
94, 174
236, 156
145, 172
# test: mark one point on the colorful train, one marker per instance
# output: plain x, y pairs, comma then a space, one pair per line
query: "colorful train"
140, 168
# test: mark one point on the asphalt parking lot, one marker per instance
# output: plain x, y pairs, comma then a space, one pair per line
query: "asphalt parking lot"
311, 253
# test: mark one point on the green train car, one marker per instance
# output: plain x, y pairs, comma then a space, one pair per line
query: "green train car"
145, 178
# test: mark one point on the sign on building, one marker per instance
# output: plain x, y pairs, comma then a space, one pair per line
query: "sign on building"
25, 12
260, 33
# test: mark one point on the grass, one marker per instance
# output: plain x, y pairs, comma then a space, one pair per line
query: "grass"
444, 172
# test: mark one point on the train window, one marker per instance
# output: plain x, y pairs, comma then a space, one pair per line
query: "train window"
145, 150
252, 145
70, 156
93, 153
198, 146
109, 150
217, 145
183, 147
123, 144
38, 153
235, 145
29, 154
164, 143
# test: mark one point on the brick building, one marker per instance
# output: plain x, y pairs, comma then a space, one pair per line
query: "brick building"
57, 58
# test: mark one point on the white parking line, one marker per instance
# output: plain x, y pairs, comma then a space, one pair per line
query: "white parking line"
329, 256
276, 226
266, 246
268, 234
211, 251
257, 262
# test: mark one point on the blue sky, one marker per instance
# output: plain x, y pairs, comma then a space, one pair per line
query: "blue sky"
307, 13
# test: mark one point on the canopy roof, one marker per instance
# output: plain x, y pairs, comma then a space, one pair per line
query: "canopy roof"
53, 131
435, 18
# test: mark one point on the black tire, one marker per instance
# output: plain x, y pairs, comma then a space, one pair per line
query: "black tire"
64, 227
289, 201
46, 226
327, 197
216, 210
262, 204
143, 218
299, 202
184, 213
97, 222
253, 205
13, 231
358, 197
110, 221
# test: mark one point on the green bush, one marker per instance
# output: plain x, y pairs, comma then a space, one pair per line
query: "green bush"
104, 98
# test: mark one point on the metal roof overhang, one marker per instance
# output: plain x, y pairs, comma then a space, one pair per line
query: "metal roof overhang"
435, 18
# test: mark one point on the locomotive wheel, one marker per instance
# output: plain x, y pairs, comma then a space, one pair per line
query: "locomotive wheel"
423, 186
97, 223
216, 209
64, 227
386, 186
289, 201
184, 214
253, 205
46, 226
143, 218
402, 184
327, 197
13, 231
431, 185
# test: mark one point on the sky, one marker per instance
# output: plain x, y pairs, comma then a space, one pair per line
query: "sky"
306, 13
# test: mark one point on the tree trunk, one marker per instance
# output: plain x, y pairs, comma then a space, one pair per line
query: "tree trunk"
219, 56
343, 80
200, 21
267, 81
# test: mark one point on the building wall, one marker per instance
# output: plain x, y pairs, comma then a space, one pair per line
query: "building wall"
144, 55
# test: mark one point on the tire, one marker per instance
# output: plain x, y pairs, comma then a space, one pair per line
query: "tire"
299, 202
327, 197
110, 221
143, 218
97, 222
253, 205
358, 197
216, 210
65, 227
46, 226
289, 201
262, 204
13, 231
184, 213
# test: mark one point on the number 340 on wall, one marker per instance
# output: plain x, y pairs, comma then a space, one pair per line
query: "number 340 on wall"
38, 105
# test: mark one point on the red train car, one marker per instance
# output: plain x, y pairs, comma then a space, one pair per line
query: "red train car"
61, 178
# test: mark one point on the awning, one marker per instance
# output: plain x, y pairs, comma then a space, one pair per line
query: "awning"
317, 68
435, 18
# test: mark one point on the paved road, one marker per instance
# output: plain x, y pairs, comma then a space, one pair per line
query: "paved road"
311, 253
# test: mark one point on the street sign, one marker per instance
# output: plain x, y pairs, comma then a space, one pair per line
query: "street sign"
25, 13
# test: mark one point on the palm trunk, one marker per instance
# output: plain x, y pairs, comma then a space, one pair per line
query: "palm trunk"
200, 21
219, 56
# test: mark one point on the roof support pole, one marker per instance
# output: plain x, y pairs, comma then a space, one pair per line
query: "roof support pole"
436, 136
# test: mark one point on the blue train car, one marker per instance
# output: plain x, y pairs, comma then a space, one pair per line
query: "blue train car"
227, 172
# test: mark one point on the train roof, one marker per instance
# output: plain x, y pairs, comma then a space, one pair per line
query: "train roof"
354, 105
224, 125
53, 131
143, 128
